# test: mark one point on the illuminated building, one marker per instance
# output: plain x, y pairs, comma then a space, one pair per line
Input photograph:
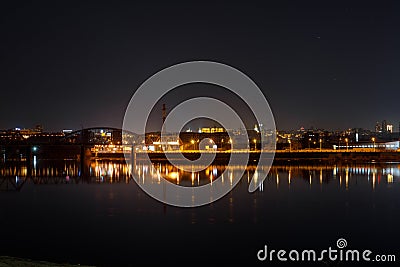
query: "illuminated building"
389, 128
394, 145
378, 127
212, 130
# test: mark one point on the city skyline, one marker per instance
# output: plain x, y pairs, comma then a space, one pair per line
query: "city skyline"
378, 127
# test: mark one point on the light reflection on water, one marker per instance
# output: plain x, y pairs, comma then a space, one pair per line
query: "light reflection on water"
65, 172
59, 214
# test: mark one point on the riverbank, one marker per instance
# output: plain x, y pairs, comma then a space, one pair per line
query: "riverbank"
76, 152
280, 156
11, 262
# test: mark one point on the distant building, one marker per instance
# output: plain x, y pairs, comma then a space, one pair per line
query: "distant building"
26, 133
39, 128
67, 131
212, 130
394, 145
378, 127
384, 126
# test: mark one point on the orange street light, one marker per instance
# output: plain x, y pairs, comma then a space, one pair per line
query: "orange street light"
373, 140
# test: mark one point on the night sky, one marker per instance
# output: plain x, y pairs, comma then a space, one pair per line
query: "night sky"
326, 64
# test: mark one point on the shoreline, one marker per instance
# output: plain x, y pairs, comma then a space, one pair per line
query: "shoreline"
291, 156
78, 152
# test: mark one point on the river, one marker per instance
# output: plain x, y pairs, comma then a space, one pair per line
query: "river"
104, 218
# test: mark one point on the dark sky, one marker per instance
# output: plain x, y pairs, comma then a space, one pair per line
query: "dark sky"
326, 64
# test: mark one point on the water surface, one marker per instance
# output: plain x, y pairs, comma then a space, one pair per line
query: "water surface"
104, 218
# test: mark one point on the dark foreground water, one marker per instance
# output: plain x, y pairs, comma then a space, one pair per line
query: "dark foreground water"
105, 218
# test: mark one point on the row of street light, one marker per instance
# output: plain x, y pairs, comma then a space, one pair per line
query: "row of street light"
290, 143
320, 144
